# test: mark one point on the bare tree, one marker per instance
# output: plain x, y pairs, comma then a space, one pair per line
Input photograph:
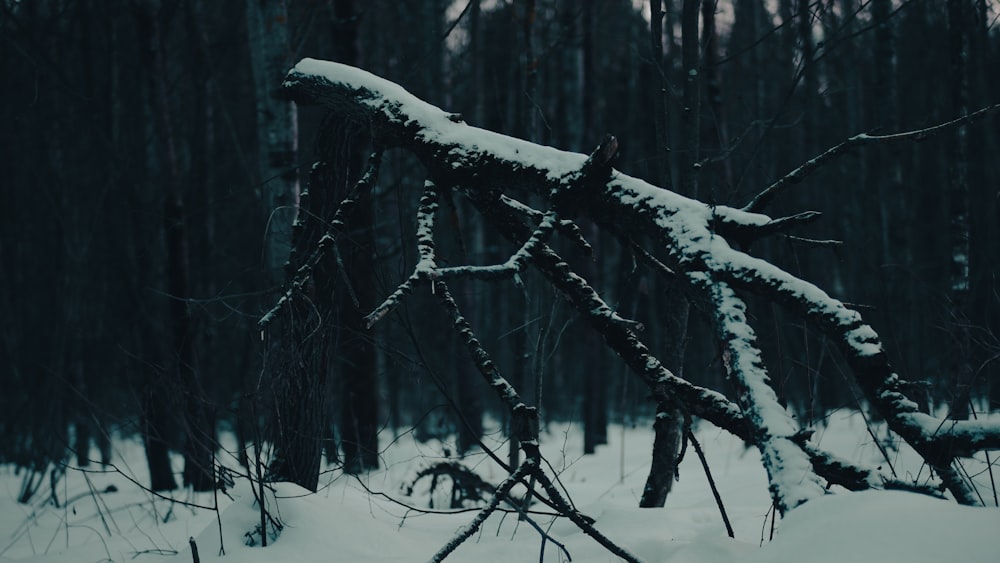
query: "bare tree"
355, 287
669, 422
277, 129
199, 435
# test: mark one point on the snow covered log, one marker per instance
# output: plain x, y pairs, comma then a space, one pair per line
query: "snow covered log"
791, 475
695, 242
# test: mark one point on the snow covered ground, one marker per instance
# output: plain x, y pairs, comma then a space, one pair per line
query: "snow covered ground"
102, 516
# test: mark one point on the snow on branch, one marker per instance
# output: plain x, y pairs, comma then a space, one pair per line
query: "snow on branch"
514, 265
427, 262
501, 493
427, 269
617, 331
301, 273
524, 427
475, 158
938, 441
792, 478
853, 477
426, 213
487, 367
565, 227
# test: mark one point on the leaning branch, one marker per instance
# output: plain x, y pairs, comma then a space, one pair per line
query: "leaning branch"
938, 441
502, 492
793, 480
694, 238
761, 200
484, 363
625, 342
328, 241
565, 227
618, 333
427, 261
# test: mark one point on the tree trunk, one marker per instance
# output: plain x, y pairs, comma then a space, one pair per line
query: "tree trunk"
719, 132
198, 435
277, 130
155, 396
359, 414
298, 352
660, 115
667, 431
302, 362
886, 116
82, 421
669, 419
154, 419
958, 192
355, 290
595, 373
359, 409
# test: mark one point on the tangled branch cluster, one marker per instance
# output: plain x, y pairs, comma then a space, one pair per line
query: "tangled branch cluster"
691, 241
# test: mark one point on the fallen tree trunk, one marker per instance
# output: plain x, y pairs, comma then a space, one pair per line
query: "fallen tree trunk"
693, 241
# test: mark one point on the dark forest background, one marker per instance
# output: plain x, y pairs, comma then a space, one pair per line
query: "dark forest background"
133, 220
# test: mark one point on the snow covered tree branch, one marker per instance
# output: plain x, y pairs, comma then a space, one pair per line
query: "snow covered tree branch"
792, 478
691, 241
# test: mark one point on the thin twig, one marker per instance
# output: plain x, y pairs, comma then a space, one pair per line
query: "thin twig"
334, 228
546, 537
565, 226
586, 524
761, 200
501, 493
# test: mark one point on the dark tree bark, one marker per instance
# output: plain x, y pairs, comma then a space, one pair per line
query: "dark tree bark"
595, 374
667, 428
660, 96
301, 354
199, 437
960, 367
470, 408
718, 133
359, 407
891, 198
156, 398
304, 359
355, 289
595, 402
895, 201
82, 423
690, 140
668, 425
155, 417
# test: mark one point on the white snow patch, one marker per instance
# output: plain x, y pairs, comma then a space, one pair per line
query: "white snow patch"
343, 523
884, 526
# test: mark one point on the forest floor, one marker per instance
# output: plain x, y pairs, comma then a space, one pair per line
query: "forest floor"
103, 516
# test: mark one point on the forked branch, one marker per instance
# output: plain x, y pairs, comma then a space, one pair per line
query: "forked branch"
690, 241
